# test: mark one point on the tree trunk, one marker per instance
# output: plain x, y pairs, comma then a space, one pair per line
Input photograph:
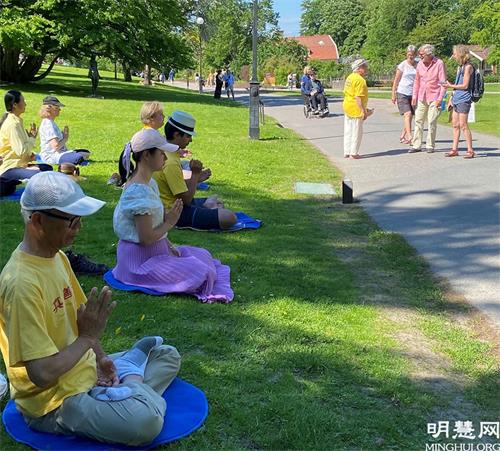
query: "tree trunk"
18, 68
147, 74
127, 76
47, 71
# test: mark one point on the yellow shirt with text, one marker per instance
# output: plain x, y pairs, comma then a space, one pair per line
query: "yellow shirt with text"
39, 298
355, 86
170, 179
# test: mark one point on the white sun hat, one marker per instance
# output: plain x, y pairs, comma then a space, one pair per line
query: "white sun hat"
183, 121
51, 190
358, 63
149, 138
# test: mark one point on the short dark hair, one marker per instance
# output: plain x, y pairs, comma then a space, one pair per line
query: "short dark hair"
170, 130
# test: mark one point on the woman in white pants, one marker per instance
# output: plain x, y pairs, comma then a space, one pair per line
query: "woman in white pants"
355, 111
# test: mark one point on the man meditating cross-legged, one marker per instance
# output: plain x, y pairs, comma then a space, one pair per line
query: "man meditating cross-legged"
60, 378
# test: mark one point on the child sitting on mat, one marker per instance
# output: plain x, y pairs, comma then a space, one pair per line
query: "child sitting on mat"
145, 256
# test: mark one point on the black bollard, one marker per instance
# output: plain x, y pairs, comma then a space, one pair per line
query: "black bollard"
347, 197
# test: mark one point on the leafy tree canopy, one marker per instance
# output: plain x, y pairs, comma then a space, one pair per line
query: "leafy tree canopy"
137, 31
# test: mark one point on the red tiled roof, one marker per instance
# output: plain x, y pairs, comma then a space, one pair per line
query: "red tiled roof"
478, 51
321, 47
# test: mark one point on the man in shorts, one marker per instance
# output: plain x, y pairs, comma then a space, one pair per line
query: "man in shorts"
197, 213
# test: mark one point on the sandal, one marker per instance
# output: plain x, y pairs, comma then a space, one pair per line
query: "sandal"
406, 141
468, 155
452, 153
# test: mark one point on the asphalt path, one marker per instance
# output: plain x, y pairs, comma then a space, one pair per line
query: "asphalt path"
447, 208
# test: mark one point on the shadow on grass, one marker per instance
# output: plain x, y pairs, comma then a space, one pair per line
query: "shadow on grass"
117, 90
297, 360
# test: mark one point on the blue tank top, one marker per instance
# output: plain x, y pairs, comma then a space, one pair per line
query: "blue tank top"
461, 95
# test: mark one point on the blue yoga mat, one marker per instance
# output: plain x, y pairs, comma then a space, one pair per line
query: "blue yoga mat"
202, 186
39, 160
113, 283
16, 195
187, 408
245, 222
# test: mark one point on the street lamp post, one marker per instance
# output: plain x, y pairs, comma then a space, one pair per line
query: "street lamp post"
254, 132
200, 21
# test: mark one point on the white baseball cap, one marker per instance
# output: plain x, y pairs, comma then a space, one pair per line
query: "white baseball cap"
183, 121
358, 63
53, 190
149, 138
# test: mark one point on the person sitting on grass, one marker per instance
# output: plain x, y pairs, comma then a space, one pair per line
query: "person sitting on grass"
16, 145
152, 115
53, 141
199, 213
61, 379
145, 256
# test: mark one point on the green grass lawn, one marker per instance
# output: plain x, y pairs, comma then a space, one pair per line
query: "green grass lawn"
338, 337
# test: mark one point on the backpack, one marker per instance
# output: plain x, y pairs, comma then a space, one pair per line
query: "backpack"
476, 85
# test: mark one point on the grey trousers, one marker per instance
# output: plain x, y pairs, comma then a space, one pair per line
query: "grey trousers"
135, 421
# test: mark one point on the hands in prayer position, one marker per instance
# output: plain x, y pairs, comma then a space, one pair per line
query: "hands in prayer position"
172, 216
32, 132
92, 317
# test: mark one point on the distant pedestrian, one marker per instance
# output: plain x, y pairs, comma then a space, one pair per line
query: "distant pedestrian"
218, 84
306, 86
163, 77
428, 92
171, 75
229, 83
289, 81
355, 108
402, 91
461, 101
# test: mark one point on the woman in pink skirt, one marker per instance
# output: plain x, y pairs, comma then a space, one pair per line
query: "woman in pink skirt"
145, 256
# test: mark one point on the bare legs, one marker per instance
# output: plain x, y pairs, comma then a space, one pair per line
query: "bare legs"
460, 124
406, 132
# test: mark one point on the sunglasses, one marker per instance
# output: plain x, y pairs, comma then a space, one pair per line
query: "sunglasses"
74, 221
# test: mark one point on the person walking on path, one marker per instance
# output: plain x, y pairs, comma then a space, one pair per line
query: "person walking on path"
218, 84
428, 92
355, 111
229, 81
306, 86
61, 379
171, 75
402, 91
461, 101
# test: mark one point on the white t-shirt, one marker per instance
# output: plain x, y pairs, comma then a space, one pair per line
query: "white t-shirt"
48, 131
408, 78
137, 199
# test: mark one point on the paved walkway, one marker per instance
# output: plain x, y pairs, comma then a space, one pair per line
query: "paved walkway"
447, 208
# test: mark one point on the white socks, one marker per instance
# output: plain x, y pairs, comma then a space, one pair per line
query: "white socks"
111, 393
134, 361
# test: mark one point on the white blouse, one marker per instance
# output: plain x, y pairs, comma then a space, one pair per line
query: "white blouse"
137, 199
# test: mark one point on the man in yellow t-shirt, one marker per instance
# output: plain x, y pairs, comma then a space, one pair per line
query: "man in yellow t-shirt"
60, 378
355, 111
197, 213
